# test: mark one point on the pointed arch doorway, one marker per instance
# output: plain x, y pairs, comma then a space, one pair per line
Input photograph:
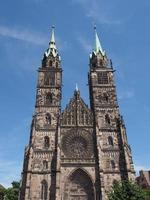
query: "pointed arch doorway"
79, 186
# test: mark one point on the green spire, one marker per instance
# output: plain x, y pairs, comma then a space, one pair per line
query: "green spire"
98, 47
52, 45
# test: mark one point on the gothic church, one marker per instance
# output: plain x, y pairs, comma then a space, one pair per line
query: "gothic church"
76, 154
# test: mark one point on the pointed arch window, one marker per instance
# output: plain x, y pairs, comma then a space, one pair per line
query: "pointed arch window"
46, 142
110, 141
56, 64
107, 119
45, 164
50, 63
49, 98
44, 190
112, 164
48, 118
105, 98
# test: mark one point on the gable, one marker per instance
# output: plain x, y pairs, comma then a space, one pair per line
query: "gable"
77, 113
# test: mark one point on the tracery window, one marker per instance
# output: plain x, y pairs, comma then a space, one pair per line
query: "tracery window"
44, 190
46, 142
102, 78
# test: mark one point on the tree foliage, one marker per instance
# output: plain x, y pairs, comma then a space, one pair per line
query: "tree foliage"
13, 192
147, 194
2, 192
126, 190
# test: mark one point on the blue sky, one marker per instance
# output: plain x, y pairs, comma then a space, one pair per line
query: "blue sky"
124, 30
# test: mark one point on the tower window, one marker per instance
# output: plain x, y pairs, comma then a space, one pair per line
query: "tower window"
45, 165
107, 119
102, 78
56, 64
110, 141
48, 118
105, 97
49, 98
50, 78
50, 63
112, 163
44, 190
46, 142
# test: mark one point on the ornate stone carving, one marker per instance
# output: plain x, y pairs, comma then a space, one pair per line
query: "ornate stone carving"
77, 144
77, 112
79, 187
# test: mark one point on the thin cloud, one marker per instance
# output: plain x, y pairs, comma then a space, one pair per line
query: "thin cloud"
99, 11
85, 44
128, 94
23, 34
33, 37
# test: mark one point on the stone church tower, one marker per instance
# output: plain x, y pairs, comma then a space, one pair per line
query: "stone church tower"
76, 154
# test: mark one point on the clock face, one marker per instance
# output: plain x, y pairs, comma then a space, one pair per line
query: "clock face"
77, 144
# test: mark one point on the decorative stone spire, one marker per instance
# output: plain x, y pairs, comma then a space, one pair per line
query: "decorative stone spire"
97, 46
52, 45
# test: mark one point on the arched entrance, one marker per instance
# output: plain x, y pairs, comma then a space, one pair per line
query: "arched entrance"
79, 187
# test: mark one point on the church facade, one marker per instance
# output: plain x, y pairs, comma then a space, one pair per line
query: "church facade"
76, 154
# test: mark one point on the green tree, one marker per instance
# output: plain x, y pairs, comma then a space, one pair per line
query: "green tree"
2, 192
147, 194
126, 190
13, 192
